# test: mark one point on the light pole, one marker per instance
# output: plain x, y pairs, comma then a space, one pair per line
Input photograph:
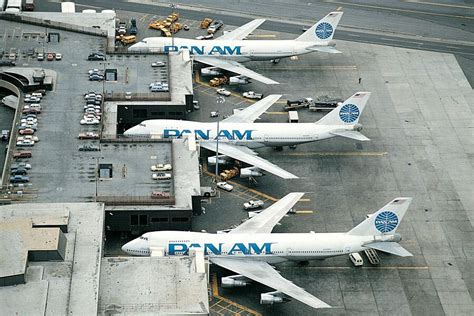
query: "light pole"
219, 100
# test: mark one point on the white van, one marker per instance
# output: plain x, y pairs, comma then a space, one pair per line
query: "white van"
356, 259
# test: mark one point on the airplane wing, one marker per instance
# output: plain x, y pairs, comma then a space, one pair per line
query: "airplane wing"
251, 113
249, 156
235, 67
242, 32
268, 218
263, 273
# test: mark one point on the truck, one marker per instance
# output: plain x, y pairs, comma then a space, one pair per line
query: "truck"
122, 28
229, 173
298, 104
208, 191
252, 95
133, 27
217, 81
205, 23
253, 204
325, 103
126, 40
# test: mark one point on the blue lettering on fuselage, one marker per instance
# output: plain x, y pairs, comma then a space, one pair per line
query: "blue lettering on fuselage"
246, 249
205, 134
201, 50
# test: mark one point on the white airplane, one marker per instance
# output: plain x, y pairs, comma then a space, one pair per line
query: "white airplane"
229, 49
251, 248
237, 133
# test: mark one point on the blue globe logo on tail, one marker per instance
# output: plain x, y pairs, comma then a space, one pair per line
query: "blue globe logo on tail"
323, 30
386, 221
349, 113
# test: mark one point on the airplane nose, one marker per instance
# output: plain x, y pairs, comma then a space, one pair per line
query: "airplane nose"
125, 248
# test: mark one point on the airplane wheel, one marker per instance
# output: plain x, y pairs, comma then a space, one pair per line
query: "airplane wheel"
293, 147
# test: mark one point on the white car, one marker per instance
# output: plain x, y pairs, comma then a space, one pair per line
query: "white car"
224, 92
205, 37
28, 137
225, 186
214, 114
94, 71
90, 121
32, 99
161, 167
161, 176
58, 56
29, 120
252, 204
252, 95
25, 143
158, 64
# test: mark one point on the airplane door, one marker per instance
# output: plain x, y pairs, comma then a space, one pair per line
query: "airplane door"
288, 251
347, 249
266, 138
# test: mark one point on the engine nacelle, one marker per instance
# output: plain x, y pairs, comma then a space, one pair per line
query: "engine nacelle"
234, 281
211, 71
358, 127
238, 80
223, 159
273, 297
250, 172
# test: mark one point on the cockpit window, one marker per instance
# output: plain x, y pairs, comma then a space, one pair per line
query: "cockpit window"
143, 41
144, 238
142, 124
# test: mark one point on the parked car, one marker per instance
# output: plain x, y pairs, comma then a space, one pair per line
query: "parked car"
40, 57
29, 110
224, 92
186, 27
96, 56
225, 186
50, 56
88, 135
32, 99
161, 167
161, 176
34, 94
252, 204
133, 27
19, 179
24, 126
25, 143
28, 137
96, 77
214, 114
22, 154
91, 72
59, 56
90, 121
26, 131
158, 64
91, 94
18, 171
7, 63
17, 165
160, 195
89, 147
29, 120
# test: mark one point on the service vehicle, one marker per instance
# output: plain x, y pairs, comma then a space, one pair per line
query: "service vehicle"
229, 173
214, 114
126, 39
161, 167
356, 259
224, 92
89, 147
225, 186
298, 104
205, 23
88, 135
293, 117
186, 27
19, 179
133, 27
205, 37
217, 81
252, 95
161, 176
325, 103
215, 25
253, 204
208, 191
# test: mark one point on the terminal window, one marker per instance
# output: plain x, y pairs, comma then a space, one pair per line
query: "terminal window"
139, 113
159, 220
179, 219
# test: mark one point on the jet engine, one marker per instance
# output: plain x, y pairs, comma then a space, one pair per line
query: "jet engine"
358, 127
211, 71
250, 172
238, 80
223, 159
273, 297
234, 281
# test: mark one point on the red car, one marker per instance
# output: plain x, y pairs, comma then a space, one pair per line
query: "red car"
50, 56
26, 131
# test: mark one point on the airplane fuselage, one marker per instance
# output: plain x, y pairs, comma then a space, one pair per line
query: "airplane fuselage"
253, 135
239, 50
272, 248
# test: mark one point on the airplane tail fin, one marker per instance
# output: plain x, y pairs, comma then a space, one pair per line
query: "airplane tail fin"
348, 112
383, 222
323, 30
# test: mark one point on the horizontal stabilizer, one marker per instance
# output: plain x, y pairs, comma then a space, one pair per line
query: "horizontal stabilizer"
351, 134
390, 247
324, 49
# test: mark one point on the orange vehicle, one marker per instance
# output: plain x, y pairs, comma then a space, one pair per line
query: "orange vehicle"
205, 23
217, 81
